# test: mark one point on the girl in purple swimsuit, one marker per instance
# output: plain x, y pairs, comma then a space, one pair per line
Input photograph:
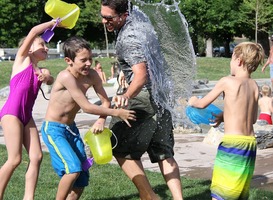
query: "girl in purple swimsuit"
16, 115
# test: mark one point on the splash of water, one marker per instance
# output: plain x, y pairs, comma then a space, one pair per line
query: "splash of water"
173, 79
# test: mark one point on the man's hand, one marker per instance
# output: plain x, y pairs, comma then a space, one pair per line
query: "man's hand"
126, 115
120, 101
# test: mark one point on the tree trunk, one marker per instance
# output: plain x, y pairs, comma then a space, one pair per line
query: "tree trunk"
263, 39
209, 48
227, 48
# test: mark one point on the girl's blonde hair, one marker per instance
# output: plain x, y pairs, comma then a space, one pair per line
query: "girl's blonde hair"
20, 43
251, 54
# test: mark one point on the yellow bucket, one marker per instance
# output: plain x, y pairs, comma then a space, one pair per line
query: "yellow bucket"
100, 145
67, 12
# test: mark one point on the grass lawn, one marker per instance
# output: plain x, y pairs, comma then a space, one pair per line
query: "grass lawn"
215, 68
108, 182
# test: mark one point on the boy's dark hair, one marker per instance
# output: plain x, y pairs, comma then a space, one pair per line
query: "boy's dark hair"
72, 46
120, 6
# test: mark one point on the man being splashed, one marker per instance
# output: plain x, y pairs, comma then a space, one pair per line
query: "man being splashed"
138, 53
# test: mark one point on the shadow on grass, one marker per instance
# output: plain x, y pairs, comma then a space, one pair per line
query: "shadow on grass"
163, 191
199, 191
108, 182
127, 197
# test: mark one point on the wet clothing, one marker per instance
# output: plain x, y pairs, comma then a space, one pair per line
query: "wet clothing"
234, 167
24, 88
266, 117
153, 130
135, 42
66, 150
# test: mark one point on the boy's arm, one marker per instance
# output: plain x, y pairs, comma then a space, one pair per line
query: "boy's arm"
210, 97
271, 107
139, 80
219, 118
104, 77
72, 85
98, 126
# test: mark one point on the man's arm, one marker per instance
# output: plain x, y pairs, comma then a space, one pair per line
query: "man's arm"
139, 80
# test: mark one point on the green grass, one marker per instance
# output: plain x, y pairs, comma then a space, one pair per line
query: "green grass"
107, 182
217, 68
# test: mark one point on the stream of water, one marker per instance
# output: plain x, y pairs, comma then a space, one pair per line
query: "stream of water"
174, 79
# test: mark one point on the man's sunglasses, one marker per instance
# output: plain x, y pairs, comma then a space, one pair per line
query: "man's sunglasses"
108, 18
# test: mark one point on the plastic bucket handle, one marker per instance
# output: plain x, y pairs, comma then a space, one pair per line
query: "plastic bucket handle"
69, 14
115, 138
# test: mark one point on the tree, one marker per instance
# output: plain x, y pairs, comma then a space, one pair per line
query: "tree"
259, 15
90, 25
213, 19
16, 19
195, 14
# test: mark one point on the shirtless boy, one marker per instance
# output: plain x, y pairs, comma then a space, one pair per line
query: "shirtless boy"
235, 159
59, 130
265, 104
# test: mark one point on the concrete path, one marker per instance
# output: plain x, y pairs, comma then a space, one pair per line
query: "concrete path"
194, 157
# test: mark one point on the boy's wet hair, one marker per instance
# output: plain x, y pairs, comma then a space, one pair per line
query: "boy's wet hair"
73, 45
251, 54
266, 90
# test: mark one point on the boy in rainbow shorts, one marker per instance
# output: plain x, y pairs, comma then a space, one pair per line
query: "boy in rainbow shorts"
235, 159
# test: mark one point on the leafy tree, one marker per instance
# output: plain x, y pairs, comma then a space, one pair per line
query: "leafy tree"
223, 17
16, 18
215, 19
195, 14
91, 25
259, 15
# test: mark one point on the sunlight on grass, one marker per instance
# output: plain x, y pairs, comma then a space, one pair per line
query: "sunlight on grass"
107, 182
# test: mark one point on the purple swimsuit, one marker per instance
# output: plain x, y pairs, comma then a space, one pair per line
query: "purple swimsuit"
24, 88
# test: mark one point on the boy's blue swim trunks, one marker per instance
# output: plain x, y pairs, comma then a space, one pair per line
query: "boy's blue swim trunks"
66, 149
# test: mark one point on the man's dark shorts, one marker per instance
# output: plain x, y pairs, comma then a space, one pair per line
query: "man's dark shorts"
152, 132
